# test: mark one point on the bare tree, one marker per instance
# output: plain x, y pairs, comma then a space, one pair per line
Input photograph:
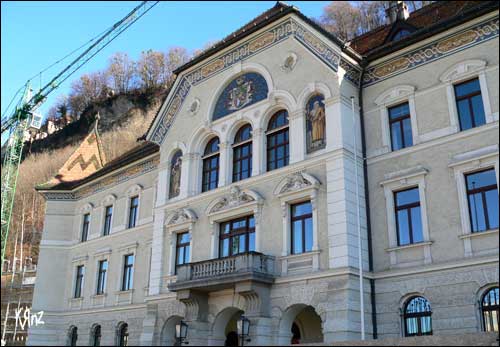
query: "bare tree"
86, 90
152, 69
342, 19
121, 72
372, 15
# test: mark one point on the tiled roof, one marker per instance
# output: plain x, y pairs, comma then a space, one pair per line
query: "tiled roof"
430, 15
139, 152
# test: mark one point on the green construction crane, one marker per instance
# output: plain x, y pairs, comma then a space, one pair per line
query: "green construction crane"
24, 116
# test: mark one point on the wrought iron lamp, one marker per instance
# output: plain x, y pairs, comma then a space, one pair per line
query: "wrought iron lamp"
243, 325
181, 330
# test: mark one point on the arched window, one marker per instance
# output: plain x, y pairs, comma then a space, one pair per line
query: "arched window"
278, 152
417, 317
490, 309
242, 154
175, 175
210, 178
123, 335
73, 336
96, 335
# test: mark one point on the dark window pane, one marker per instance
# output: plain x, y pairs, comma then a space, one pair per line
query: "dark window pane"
481, 179
477, 212
180, 256
398, 111
403, 228
416, 224
242, 244
301, 209
467, 88
492, 207
251, 242
225, 248
297, 237
407, 132
406, 197
464, 114
478, 110
308, 230
396, 136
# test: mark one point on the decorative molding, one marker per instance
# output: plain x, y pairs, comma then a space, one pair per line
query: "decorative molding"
402, 175
181, 215
234, 199
395, 94
295, 182
289, 62
435, 50
462, 69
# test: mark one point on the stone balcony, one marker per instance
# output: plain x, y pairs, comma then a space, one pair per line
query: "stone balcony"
218, 274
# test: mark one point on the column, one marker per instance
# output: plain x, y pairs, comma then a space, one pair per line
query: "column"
257, 215
342, 212
157, 253
187, 159
214, 233
297, 137
162, 191
258, 151
224, 164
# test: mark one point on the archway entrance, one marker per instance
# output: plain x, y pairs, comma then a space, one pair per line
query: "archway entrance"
167, 337
224, 331
300, 324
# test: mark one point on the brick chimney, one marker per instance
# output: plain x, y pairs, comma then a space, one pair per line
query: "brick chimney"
397, 10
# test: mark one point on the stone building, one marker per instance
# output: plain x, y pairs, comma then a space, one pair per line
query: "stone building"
282, 161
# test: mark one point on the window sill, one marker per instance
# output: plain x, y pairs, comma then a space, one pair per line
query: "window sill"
300, 255
414, 245
124, 297
480, 233
98, 300
76, 303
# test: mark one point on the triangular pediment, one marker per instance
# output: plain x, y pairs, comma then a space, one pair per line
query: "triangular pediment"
290, 25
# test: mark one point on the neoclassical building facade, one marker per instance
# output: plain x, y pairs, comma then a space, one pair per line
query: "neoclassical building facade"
282, 161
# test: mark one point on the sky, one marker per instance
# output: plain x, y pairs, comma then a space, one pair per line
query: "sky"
35, 34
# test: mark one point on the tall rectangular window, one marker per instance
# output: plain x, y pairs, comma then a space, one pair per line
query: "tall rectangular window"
85, 227
132, 215
80, 272
101, 277
400, 125
302, 228
482, 194
237, 237
128, 272
408, 216
107, 220
470, 106
183, 248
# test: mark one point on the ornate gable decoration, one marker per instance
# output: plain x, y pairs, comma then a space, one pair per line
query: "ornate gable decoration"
289, 28
432, 51
182, 215
296, 182
236, 198
462, 69
243, 91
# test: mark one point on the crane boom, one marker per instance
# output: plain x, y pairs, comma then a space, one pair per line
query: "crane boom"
21, 118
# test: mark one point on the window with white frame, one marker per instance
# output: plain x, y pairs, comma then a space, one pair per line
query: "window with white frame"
133, 211
128, 272
182, 249
398, 118
467, 93
79, 276
406, 205
476, 175
85, 227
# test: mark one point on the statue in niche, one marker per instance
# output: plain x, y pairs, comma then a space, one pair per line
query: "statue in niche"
315, 123
175, 175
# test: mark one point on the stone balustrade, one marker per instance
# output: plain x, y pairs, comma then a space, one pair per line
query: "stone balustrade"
216, 272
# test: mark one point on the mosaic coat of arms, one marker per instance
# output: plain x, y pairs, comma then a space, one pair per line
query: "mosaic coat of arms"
241, 95
241, 92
